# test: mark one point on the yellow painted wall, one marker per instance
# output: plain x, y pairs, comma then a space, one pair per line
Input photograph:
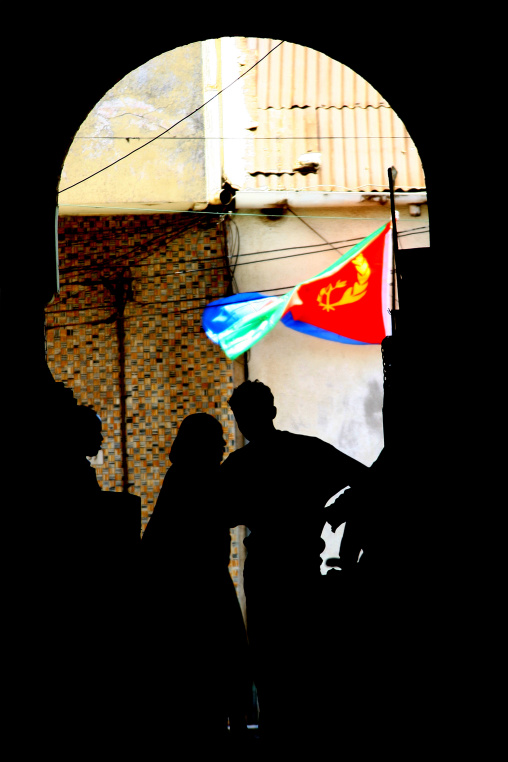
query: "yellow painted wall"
168, 174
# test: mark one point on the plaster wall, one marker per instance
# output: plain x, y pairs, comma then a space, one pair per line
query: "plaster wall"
167, 174
321, 388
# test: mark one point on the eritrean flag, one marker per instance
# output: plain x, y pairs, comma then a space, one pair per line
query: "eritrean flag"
348, 302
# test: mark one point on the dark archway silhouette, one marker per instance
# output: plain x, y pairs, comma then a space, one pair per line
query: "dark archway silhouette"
81, 83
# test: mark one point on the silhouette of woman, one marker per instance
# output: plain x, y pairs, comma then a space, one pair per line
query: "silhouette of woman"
196, 624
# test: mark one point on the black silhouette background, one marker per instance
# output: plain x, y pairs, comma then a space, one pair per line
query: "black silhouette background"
73, 551
408, 607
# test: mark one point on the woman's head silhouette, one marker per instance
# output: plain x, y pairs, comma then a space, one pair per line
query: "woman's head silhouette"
199, 442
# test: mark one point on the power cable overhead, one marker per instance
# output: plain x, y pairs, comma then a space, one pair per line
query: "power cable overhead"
152, 140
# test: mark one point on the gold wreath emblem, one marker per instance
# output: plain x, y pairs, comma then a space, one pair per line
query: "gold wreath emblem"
353, 293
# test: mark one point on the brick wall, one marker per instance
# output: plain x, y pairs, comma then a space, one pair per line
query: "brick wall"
125, 334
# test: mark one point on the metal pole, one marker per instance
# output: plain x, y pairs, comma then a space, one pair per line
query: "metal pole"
394, 244
120, 328
121, 290
390, 363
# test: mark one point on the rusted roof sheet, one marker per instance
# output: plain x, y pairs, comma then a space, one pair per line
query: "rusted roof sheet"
305, 101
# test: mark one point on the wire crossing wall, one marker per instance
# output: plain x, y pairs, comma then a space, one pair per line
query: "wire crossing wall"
125, 334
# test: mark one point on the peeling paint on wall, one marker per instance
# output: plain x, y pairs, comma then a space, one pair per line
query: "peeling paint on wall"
145, 103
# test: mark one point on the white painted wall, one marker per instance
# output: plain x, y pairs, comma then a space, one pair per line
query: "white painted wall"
321, 388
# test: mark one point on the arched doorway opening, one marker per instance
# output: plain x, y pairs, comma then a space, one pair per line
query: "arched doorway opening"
119, 345
150, 163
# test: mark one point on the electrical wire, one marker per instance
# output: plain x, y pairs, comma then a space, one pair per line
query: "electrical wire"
310, 227
232, 251
240, 137
170, 235
259, 261
333, 246
180, 300
101, 234
175, 124
341, 243
126, 210
231, 238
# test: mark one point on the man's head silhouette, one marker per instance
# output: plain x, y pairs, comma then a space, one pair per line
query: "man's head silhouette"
253, 406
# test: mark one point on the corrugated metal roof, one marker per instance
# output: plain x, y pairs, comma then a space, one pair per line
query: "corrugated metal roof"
294, 75
305, 101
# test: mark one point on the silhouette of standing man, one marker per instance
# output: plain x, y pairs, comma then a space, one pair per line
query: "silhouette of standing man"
279, 484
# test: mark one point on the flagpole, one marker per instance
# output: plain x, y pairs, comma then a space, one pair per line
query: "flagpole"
394, 244
388, 347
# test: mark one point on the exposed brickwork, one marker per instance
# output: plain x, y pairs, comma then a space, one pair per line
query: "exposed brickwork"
163, 269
